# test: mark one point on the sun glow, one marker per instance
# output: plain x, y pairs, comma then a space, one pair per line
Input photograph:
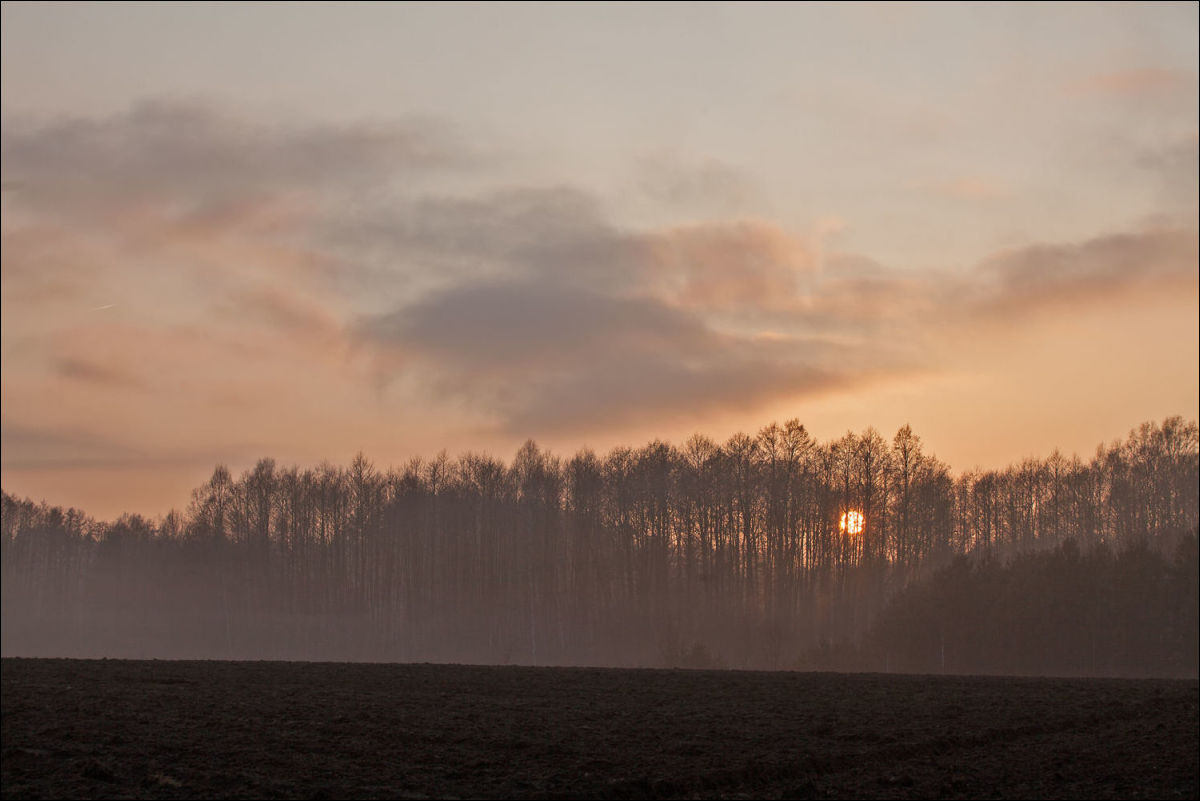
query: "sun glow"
852, 522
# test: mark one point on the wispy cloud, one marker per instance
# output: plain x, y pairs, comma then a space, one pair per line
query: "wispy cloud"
294, 314
205, 162
27, 447
723, 316
1139, 82
1175, 164
258, 262
91, 372
57, 448
967, 187
707, 186
1105, 269
728, 265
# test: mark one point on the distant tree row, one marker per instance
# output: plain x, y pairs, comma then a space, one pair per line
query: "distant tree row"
1066, 612
735, 552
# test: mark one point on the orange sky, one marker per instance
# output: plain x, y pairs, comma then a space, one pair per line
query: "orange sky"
198, 268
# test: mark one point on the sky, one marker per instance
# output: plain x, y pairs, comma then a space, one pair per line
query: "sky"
302, 231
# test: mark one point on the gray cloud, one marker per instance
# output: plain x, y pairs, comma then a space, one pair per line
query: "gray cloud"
1176, 167
521, 231
1009, 287
548, 356
707, 186
544, 324
556, 319
1105, 268
645, 386
186, 189
188, 159
561, 233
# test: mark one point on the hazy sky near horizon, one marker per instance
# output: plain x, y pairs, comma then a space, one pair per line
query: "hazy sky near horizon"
305, 230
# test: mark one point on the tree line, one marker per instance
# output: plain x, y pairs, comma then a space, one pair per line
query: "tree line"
734, 553
1130, 611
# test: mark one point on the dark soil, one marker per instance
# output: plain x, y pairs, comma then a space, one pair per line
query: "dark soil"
118, 729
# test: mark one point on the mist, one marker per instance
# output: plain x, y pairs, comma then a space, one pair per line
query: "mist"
702, 555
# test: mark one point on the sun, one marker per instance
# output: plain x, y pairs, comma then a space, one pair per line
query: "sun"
852, 522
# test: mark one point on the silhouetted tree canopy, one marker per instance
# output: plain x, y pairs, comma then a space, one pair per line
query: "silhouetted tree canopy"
700, 555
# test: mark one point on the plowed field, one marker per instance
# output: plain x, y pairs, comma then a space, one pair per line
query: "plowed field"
124, 729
